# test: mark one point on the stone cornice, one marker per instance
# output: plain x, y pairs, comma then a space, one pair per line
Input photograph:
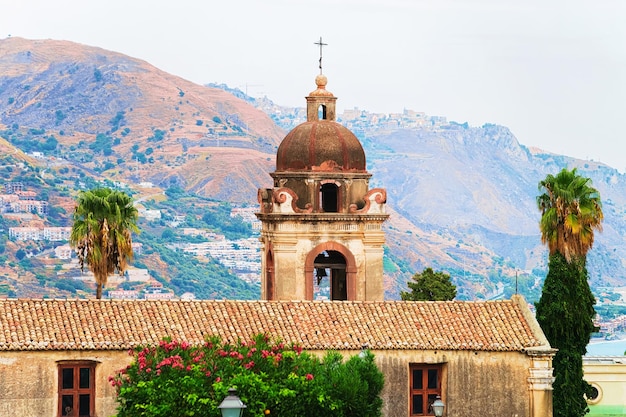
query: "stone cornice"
319, 175
320, 217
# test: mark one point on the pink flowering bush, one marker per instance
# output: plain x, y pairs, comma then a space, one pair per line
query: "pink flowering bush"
175, 379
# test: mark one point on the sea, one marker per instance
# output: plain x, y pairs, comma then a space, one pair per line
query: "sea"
607, 348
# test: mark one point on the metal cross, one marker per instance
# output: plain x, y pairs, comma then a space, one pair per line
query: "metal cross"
321, 44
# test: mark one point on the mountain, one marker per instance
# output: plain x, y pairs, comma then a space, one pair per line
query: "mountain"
88, 97
462, 198
477, 187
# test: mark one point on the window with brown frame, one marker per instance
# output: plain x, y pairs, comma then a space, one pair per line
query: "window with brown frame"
77, 389
425, 386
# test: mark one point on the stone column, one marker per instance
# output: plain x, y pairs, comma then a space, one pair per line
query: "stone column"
540, 381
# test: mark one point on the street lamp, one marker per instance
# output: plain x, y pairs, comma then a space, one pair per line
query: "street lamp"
363, 352
438, 406
232, 406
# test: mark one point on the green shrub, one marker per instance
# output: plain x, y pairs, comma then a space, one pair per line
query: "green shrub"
176, 379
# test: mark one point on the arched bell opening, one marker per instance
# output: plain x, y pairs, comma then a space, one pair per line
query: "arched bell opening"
330, 277
329, 198
330, 273
321, 112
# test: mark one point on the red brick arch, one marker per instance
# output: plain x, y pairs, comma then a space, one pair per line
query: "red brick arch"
350, 268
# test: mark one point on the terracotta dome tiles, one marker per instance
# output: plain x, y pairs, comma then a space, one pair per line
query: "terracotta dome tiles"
320, 146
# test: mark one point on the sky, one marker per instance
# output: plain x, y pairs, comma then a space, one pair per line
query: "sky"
552, 71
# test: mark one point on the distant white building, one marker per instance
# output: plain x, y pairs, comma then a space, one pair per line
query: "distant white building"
150, 215
157, 292
124, 294
56, 234
25, 233
51, 234
137, 248
137, 275
188, 296
205, 233
63, 252
29, 206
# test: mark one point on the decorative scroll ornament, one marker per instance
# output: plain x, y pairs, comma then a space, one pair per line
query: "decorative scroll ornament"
284, 200
375, 200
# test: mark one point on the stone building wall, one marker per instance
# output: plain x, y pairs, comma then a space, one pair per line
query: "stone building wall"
486, 384
29, 380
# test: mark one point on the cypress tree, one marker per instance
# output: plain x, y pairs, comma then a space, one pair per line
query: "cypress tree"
565, 313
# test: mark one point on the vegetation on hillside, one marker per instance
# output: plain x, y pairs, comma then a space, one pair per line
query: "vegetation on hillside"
184, 273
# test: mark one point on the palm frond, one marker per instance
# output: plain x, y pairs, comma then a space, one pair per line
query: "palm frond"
571, 211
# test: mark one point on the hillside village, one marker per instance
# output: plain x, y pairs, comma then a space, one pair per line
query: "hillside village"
20, 204
357, 120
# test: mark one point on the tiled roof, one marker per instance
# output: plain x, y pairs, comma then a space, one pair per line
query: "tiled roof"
27, 324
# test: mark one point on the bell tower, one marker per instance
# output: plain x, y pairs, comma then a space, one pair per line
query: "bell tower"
321, 229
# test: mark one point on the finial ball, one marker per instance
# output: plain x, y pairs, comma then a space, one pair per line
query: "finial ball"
321, 81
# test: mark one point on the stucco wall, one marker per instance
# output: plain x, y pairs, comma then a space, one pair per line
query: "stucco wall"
608, 375
28, 381
474, 383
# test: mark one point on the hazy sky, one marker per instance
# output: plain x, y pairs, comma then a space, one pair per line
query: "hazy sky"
553, 71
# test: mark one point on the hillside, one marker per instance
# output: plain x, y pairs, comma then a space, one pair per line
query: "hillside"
477, 187
141, 123
462, 199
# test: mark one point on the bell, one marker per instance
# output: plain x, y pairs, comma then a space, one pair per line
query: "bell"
320, 273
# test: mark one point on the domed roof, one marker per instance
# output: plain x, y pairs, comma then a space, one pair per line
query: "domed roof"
321, 145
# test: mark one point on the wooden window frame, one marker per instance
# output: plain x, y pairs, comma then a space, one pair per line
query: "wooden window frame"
76, 391
423, 388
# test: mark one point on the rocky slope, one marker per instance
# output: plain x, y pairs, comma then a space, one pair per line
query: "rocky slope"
477, 187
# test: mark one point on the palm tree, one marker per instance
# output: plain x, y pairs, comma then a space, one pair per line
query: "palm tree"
570, 211
101, 233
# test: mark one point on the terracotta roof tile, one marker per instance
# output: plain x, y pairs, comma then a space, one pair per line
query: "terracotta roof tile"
27, 324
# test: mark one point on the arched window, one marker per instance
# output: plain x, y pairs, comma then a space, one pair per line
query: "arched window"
330, 281
321, 112
329, 198
337, 261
